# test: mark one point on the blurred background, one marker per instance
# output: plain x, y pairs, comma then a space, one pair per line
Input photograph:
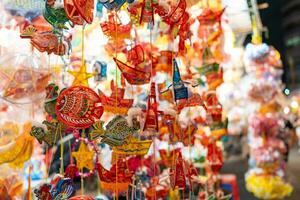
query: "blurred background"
278, 21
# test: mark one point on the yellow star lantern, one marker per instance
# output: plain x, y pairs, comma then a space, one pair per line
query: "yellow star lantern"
81, 77
84, 157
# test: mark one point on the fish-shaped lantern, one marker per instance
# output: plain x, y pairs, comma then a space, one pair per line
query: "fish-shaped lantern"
49, 136
51, 96
116, 132
78, 107
45, 41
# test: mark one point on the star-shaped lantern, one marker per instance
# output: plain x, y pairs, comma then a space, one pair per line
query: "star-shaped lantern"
84, 157
81, 77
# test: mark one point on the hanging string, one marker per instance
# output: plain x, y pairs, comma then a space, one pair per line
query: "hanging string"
189, 134
70, 152
81, 170
51, 158
116, 55
81, 181
99, 185
29, 196
151, 26
151, 72
49, 63
154, 164
46, 161
190, 149
82, 44
127, 193
61, 152
116, 103
33, 81
116, 188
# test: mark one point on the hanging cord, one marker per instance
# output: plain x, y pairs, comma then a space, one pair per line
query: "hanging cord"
116, 103
82, 44
117, 192
116, 55
70, 152
151, 79
81, 181
46, 161
29, 196
51, 158
81, 170
61, 151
